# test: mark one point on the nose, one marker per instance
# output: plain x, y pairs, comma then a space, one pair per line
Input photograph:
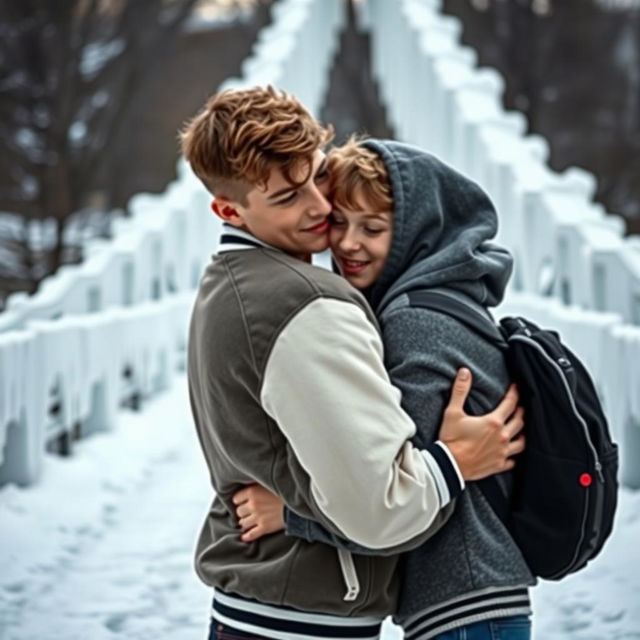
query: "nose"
320, 205
349, 241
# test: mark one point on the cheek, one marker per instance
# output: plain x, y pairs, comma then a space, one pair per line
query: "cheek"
335, 235
323, 188
381, 250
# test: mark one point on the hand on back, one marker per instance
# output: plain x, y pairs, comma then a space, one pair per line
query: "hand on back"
259, 512
482, 445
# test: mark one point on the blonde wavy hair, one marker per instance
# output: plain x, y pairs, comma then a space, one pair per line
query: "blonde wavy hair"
240, 135
358, 177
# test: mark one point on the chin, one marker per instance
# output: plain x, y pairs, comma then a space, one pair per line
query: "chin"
356, 283
321, 244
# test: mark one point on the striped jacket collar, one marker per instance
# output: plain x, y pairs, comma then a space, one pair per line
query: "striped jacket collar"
234, 239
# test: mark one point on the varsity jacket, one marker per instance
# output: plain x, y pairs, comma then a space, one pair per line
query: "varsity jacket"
471, 570
288, 389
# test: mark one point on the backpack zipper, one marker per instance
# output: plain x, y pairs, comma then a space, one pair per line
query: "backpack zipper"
576, 555
523, 326
596, 461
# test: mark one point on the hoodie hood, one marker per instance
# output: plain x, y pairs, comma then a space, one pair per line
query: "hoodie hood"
442, 229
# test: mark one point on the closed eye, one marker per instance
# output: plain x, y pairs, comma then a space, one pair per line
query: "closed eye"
289, 199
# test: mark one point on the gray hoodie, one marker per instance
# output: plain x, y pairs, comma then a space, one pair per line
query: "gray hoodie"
471, 569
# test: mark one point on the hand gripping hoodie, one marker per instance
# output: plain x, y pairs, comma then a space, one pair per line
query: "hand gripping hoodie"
470, 570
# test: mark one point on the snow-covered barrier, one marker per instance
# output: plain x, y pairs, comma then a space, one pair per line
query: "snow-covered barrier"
103, 334
68, 377
436, 97
112, 330
574, 270
296, 50
157, 251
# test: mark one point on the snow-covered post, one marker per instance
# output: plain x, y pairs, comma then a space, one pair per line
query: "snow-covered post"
295, 52
22, 400
616, 275
626, 411
451, 68
474, 103
436, 44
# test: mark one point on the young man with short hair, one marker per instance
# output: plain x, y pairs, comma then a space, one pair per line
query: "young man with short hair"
288, 390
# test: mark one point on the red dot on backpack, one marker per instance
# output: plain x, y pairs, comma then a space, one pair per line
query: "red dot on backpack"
585, 479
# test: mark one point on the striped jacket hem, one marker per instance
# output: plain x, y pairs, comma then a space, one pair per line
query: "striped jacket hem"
283, 623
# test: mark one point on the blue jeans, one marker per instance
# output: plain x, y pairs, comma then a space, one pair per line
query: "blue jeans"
513, 628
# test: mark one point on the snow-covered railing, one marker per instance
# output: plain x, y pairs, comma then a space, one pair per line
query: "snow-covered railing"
157, 251
572, 260
296, 50
436, 97
113, 329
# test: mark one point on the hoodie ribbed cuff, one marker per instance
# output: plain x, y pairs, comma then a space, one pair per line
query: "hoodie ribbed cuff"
442, 465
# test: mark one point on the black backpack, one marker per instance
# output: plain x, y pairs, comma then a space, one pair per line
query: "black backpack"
565, 483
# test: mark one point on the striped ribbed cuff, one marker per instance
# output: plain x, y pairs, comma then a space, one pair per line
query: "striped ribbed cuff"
443, 466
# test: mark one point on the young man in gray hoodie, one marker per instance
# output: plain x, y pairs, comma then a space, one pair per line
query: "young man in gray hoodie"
404, 222
288, 389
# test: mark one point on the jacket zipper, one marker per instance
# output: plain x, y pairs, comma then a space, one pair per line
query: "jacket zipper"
349, 574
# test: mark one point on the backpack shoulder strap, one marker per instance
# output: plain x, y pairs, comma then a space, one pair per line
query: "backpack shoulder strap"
464, 313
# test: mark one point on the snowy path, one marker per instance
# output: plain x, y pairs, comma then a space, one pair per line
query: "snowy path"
103, 548
118, 553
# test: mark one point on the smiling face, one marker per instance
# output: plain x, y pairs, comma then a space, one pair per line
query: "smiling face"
292, 218
360, 241
259, 153
362, 221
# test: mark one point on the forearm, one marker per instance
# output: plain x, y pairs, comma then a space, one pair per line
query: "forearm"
311, 531
340, 412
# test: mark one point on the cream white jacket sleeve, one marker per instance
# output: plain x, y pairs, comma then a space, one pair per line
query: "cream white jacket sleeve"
326, 387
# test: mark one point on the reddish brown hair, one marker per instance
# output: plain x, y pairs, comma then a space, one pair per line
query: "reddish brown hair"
240, 135
359, 178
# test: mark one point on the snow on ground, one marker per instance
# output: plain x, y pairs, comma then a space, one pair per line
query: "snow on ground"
102, 548
602, 601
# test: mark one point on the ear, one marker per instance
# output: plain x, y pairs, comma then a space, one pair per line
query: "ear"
227, 211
